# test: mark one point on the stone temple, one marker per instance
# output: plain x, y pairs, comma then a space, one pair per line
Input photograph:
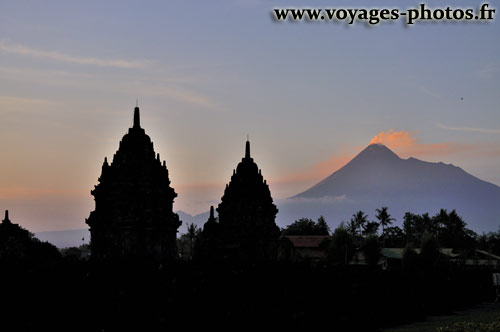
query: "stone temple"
133, 216
246, 228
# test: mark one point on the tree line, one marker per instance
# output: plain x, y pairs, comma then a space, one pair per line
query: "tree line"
445, 229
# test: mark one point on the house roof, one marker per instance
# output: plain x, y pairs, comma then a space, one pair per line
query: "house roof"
397, 253
490, 255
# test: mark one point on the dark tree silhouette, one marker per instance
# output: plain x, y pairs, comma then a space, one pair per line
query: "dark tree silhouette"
322, 227
341, 246
415, 226
352, 228
489, 242
187, 242
370, 228
358, 222
306, 226
394, 237
449, 229
384, 218
453, 232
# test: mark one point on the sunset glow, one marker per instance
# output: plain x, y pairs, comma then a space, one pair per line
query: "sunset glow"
206, 75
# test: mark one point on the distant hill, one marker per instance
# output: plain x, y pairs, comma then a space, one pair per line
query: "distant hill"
378, 177
199, 220
64, 239
73, 237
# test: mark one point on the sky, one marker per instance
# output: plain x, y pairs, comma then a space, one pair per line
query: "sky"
311, 95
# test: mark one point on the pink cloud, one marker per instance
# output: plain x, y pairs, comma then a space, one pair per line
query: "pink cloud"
406, 145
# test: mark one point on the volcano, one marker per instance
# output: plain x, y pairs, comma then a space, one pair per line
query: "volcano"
378, 177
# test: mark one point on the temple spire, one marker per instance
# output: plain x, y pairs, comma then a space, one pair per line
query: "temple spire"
247, 149
137, 118
212, 212
6, 220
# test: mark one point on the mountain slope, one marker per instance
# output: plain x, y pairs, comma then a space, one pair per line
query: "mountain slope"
198, 220
377, 176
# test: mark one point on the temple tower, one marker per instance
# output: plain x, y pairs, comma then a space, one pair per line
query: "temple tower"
133, 216
247, 228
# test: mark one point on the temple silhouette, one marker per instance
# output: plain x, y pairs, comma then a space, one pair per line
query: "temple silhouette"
18, 245
133, 216
246, 229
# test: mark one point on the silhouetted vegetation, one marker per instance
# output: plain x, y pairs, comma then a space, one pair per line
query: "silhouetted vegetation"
490, 242
384, 218
307, 226
394, 237
76, 253
341, 246
19, 246
124, 295
358, 223
187, 242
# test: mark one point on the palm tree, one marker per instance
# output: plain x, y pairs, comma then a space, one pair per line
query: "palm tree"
358, 221
384, 218
192, 234
352, 228
370, 228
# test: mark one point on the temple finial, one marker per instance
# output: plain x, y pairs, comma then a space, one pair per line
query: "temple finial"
137, 118
247, 149
6, 220
211, 212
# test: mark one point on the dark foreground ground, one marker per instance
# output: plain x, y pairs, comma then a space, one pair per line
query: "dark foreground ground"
486, 314
81, 296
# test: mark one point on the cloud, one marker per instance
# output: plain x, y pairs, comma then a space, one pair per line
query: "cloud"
406, 145
323, 199
17, 105
471, 129
147, 85
117, 63
429, 92
394, 139
489, 70
9, 100
14, 193
177, 93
